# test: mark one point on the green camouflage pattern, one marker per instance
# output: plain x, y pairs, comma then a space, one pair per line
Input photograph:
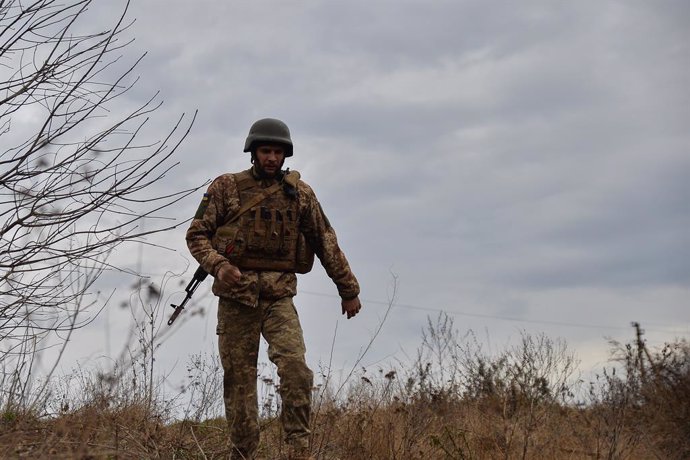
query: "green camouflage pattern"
239, 330
223, 202
261, 304
265, 236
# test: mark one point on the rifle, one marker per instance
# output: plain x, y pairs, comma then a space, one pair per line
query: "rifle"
199, 276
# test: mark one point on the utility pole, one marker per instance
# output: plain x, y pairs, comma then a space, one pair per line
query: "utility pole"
640, 350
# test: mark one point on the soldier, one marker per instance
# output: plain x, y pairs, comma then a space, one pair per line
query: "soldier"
253, 232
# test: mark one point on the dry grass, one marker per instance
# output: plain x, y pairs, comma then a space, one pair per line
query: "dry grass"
520, 403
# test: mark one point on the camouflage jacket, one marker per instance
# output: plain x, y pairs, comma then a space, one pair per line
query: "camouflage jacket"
221, 202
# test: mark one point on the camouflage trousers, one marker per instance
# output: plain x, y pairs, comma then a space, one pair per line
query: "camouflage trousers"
239, 330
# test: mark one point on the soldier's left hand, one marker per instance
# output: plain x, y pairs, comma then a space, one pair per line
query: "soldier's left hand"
351, 307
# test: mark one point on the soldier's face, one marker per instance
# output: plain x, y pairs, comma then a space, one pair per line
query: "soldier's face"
269, 158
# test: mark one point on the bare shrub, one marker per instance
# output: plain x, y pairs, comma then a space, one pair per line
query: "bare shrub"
640, 406
455, 401
204, 388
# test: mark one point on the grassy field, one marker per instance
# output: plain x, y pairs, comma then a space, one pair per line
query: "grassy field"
454, 402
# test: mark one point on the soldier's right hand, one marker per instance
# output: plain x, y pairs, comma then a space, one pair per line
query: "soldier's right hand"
229, 274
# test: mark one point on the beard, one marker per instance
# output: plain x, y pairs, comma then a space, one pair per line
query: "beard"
263, 174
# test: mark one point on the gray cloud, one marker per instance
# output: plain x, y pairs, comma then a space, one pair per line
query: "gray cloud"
518, 161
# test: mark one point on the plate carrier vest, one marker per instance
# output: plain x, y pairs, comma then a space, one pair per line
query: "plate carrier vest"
265, 236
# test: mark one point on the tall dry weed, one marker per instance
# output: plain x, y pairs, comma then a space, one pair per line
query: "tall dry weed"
640, 405
454, 401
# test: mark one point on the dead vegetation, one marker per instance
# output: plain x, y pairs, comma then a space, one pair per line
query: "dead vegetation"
456, 401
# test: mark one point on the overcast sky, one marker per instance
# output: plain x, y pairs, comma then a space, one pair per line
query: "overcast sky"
518, 165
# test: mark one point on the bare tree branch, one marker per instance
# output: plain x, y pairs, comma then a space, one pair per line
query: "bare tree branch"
75, 178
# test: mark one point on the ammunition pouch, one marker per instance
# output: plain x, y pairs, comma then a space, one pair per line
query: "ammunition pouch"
244, 250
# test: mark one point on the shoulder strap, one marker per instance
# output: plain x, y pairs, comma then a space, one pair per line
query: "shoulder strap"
291, 177
256, 199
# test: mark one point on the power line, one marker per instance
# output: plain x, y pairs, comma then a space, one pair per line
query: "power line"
486, 316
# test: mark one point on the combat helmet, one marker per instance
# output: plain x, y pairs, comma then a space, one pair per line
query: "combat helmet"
269, 130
